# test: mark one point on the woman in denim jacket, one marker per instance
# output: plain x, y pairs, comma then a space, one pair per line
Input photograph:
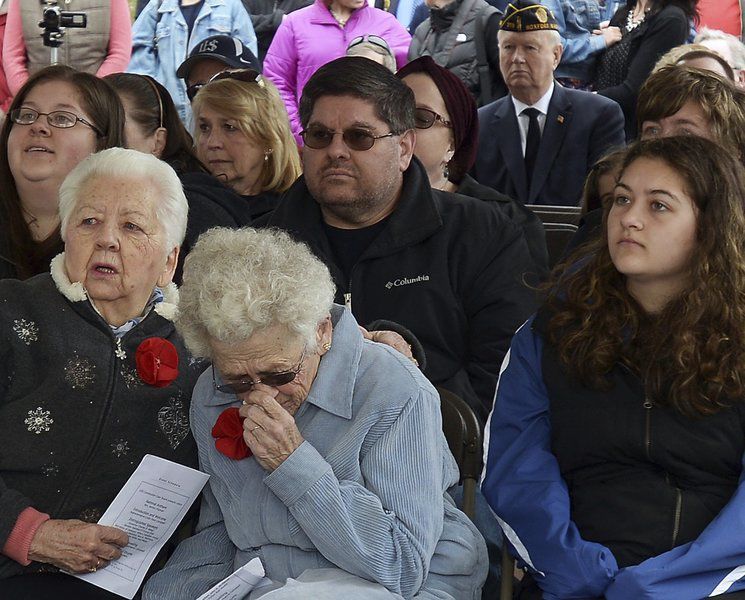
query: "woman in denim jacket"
162, 38
583, 37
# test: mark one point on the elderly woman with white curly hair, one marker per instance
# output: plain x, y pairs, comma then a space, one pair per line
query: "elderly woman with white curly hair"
325, 451
92, 373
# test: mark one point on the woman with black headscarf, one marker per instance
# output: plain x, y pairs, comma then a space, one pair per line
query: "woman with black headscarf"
447, 137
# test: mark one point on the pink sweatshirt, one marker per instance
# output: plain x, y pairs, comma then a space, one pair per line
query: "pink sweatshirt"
14, 47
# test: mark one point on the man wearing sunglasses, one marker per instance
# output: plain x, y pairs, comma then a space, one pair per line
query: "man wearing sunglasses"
448, 268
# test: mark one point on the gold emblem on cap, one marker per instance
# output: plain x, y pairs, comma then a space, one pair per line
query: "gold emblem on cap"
540, 14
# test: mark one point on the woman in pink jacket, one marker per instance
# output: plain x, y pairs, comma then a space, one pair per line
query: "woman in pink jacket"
310, 37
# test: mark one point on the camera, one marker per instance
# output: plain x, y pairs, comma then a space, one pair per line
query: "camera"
54, 19
54, 22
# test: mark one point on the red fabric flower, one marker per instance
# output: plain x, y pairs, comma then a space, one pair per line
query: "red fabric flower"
157, 361
228, 434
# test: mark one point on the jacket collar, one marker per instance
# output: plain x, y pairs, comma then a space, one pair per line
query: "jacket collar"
414, 219
75, 292
333, 387
321, 14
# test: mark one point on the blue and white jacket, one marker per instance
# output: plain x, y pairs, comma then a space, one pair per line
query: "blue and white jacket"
161, 40
524, 485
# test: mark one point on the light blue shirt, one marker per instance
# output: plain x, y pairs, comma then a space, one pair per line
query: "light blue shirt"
365, 491
161, 41
577, 19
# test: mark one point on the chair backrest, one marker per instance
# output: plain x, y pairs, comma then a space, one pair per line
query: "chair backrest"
463, 433
560, 223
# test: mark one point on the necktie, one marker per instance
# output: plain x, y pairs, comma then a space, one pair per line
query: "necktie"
532, 142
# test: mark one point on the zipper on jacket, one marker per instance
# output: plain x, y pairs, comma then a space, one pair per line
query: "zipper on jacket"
348, 301
678, 511
647, 427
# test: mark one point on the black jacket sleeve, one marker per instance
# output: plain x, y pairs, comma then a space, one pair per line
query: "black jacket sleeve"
498, 87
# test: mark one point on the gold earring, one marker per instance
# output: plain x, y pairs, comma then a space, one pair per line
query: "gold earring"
326, 346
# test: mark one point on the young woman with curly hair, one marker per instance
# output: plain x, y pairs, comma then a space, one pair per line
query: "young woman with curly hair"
616, 441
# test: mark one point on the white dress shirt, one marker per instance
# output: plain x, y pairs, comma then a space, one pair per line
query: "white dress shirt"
524, 120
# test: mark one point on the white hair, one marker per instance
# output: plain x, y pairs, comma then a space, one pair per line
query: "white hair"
552, 33
736, 47
171, 208
238, 281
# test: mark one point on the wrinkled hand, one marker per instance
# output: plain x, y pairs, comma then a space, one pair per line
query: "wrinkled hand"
392, 339
611, 35
269, 430
76, 546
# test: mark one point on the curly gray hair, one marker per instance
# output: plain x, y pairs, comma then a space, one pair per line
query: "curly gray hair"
238, 281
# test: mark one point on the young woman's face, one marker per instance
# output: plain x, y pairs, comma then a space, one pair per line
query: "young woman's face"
40, 154
652, 229
228, 152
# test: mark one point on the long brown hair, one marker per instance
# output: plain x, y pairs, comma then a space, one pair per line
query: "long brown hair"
692, 355
153, 107
106, 113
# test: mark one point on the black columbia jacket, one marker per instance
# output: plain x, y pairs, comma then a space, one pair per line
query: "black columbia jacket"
448, 267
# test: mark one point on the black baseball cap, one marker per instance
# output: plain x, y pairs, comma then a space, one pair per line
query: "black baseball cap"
223, 48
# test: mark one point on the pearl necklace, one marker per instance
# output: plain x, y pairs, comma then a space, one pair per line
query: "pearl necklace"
632, 23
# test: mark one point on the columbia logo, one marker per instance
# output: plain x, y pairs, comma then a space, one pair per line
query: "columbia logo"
406, 281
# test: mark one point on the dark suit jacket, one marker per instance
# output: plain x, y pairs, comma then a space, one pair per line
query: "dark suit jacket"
580, 128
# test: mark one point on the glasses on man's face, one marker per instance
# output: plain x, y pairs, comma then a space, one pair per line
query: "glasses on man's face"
424, 118
373, 39
271, 379
355, 138
245, 75
61, 119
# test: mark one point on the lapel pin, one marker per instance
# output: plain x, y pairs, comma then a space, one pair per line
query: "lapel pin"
560, 119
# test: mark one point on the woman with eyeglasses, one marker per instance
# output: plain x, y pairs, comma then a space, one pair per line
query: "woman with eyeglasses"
325, 451
243, 137
447, 137
58, 117
313, 36
153, 126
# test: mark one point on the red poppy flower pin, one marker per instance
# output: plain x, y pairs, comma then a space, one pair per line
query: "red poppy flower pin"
157, 361
228, 434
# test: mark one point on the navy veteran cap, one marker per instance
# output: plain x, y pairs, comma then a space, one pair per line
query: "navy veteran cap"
223, 48
524, 15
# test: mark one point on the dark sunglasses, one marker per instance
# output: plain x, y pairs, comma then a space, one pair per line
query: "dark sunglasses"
270, 379
319, 138
245, 75
424, 118
373, 39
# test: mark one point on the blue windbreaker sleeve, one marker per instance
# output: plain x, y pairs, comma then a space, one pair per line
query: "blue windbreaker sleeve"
524, 487
712, 564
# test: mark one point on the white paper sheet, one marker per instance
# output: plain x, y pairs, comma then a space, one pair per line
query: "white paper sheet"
236, 586
149, 508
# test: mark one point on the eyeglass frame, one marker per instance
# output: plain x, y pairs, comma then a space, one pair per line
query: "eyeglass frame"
372, 39
228, 388
435, 118
15, 112
244, 75
343, 133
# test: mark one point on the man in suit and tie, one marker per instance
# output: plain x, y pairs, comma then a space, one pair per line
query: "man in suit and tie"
538, 143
